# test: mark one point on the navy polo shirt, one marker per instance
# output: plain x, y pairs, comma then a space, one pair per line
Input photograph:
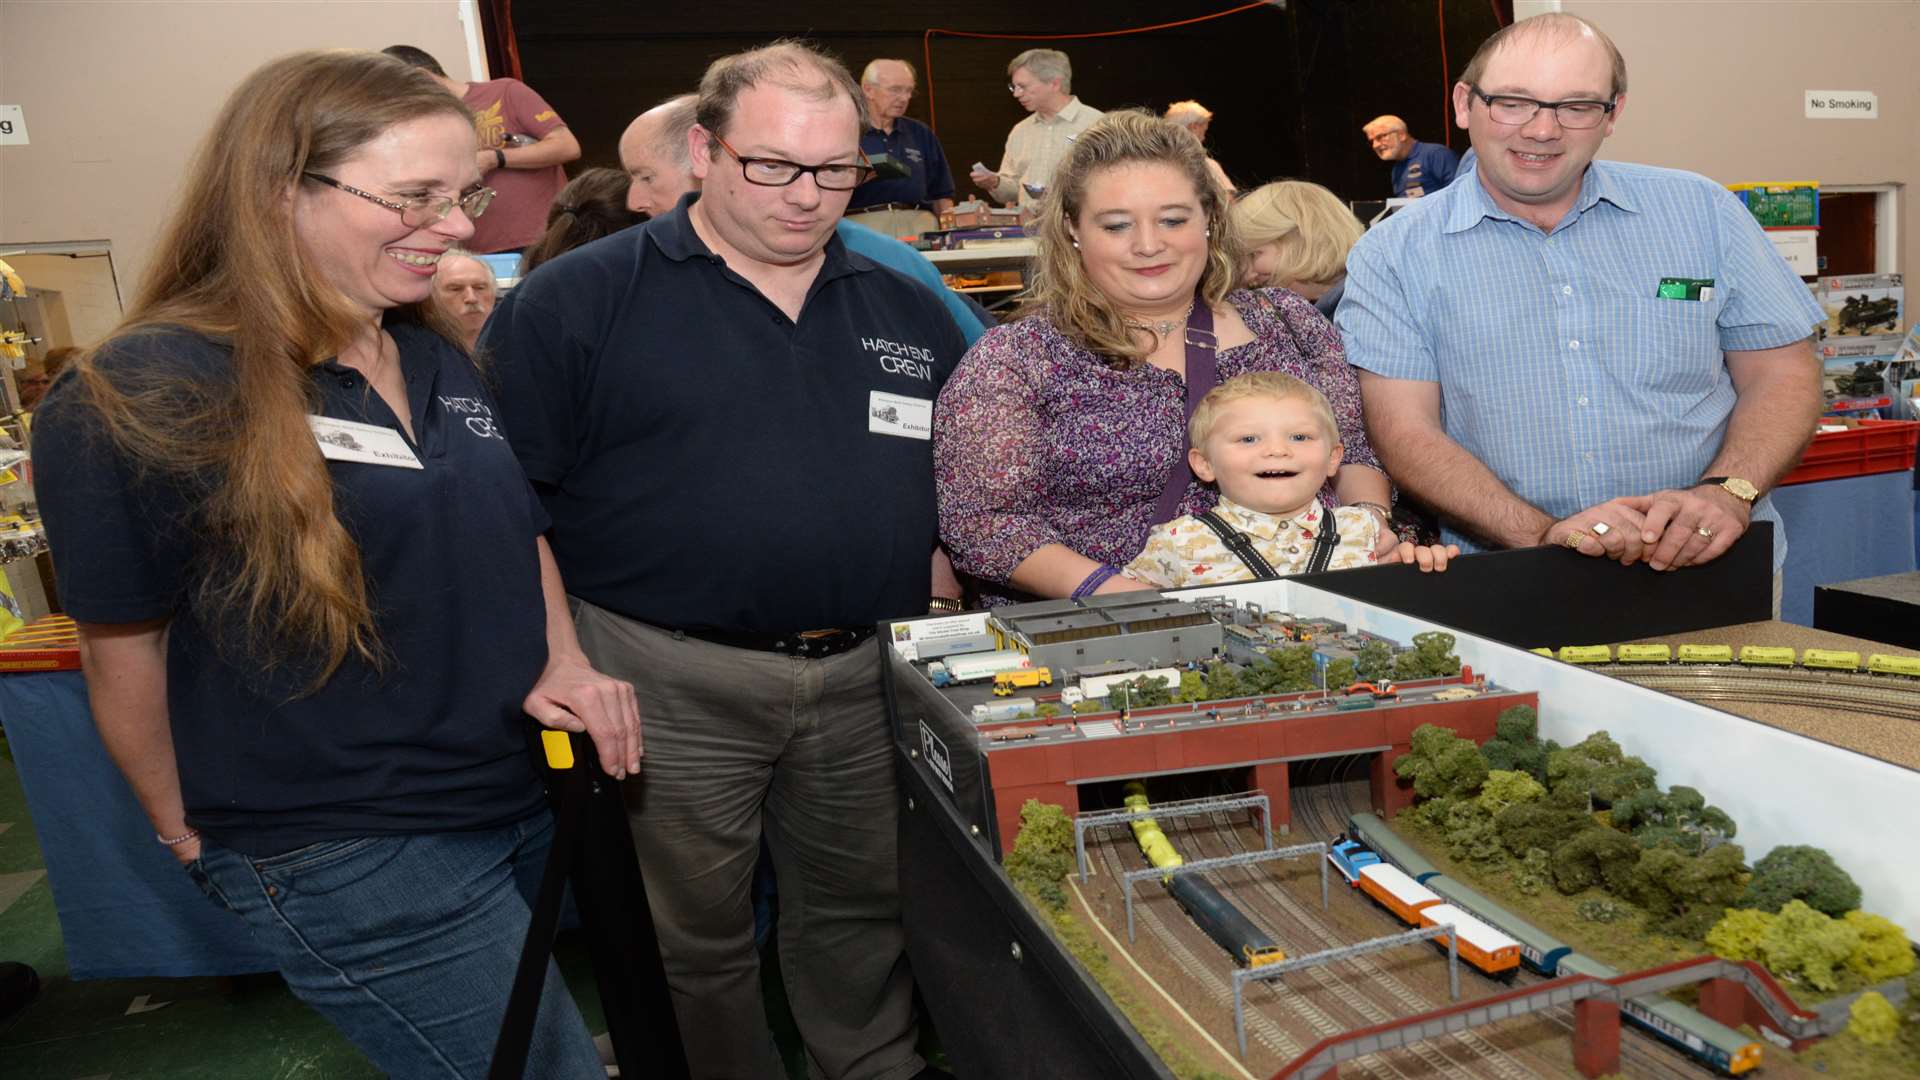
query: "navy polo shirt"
436, 740
1425, 170
914, 145
711, 464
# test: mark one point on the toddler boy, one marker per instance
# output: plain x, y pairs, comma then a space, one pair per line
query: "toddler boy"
1269, 441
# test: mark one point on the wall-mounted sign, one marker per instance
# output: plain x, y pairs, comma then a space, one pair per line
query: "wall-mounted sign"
1843, 105
13, 126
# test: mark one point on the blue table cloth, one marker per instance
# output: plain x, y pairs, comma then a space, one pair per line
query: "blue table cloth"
1842, 530
126, 908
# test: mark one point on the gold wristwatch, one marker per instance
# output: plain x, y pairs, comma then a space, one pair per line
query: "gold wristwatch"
1734, 486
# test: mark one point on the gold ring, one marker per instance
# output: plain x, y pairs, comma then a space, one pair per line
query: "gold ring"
1574, 538
1704, 531
1601, 528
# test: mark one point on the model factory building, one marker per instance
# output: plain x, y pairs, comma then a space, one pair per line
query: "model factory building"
1143, 628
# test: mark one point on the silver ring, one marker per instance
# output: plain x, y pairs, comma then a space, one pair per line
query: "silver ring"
1704, 531
1601, 528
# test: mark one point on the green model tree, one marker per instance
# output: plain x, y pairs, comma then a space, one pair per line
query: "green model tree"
1882, 952
1223, 681
1047, 710
1679, 818
1042, 854
1872, 1019
1341, 674
1441, 764
1738, 934
1516, 745
1683, 894
1596, 769
1506, 788
1430, 658
1541, 824
1373, 662
1292, 668
1595, 857
1193, 688
1805, 945
1799, 872
1470, 833
1534, 873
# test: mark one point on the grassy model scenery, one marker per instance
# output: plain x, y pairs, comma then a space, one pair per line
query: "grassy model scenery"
1583, 840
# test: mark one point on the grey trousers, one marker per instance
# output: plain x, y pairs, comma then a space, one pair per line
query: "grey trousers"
737, 742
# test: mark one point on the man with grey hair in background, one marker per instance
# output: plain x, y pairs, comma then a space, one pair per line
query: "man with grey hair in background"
464, 290
1197, 118
1041, 80
653, 151
914, 183
727, 415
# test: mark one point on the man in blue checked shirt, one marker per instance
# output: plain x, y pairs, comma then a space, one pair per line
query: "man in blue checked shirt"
1559, 350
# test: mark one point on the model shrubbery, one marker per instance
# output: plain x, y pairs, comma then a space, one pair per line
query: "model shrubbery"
1042, 855
1803, 944
1801, 873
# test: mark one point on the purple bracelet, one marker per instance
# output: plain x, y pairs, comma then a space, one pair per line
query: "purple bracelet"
1094, 581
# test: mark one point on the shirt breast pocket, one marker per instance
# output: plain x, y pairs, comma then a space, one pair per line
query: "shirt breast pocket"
1674, 345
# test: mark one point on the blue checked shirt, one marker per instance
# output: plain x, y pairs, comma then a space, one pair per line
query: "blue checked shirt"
1558, 366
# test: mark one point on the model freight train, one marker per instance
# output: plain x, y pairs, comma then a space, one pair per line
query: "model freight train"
1706, 1040
1749, 656
1479, 944
1215, 914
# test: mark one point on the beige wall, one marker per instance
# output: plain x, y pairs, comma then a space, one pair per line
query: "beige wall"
117, 94
1719, 87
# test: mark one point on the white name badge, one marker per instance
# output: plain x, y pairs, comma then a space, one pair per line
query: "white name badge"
892, 414
350, 440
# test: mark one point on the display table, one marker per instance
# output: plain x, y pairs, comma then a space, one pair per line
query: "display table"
1882, 609
126, 908
1840, 530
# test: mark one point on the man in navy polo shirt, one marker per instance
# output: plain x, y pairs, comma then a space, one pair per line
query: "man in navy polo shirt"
728, 416
899, 205
1418, 168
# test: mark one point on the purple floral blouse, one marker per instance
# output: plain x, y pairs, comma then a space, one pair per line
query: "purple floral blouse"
1037, 441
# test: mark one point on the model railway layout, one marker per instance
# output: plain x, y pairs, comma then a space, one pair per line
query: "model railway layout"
1707, 1041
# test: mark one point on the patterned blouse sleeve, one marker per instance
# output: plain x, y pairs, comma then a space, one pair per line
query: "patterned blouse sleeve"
989, 447
1326, 364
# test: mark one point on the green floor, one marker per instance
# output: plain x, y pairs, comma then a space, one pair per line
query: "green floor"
203, 1029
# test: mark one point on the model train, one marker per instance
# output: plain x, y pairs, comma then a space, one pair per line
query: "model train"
1707, 1041
1212, 913
1479, 944
1749, 655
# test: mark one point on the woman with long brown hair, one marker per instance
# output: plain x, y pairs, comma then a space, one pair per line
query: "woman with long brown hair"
314, 606
593, 205
1060, 440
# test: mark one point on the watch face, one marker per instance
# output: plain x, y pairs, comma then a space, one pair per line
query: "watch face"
1741, 488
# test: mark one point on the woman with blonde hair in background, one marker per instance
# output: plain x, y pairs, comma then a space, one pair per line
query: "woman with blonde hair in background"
1061, 438
1296, 237
314, 605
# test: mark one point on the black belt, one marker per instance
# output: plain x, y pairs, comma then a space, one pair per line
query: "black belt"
810, 644
877, 207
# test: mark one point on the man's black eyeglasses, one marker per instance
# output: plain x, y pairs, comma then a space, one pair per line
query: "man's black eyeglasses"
421, 211
1572, 115
774, 172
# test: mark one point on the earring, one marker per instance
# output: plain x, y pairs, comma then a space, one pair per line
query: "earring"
1076, 245
1207, 235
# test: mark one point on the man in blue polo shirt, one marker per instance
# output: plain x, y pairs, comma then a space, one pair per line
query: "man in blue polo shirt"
1418, 168
728, 415
1588, 353
899, 205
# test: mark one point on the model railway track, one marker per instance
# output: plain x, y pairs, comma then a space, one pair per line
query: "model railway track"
1482, 1058
1260, 1027
1875, 695
1324, 808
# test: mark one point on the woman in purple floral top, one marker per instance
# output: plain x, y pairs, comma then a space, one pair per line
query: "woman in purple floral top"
1057, 433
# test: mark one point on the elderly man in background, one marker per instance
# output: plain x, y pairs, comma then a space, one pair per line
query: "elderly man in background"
463, 289
655, 152
1418, 168
1196, 118
914, 183
1561, 350
1041, 80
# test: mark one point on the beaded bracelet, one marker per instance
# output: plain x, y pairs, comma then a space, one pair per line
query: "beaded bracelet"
176, 841
1094, 581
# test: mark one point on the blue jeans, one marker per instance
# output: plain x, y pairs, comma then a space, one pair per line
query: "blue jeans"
408, 944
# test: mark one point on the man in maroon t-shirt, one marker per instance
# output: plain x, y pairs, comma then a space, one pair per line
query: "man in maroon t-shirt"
523, 143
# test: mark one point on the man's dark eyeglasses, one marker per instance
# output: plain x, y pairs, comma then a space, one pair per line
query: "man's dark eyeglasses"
774, 172
1572, 115
421, 211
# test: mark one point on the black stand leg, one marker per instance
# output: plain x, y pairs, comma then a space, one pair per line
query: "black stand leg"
593, 849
